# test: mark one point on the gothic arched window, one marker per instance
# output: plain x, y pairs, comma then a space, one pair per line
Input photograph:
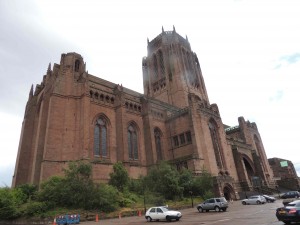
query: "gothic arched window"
77, 63
158, 144
132, 142
155, 66
100, 138
216, 144
161, 62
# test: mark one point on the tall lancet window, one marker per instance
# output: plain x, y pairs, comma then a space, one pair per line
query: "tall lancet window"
158, 144
216, 144
161, 62
77, 63
132, 142
155, 66
100, 138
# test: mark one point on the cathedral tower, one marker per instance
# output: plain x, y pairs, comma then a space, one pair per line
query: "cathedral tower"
171, 70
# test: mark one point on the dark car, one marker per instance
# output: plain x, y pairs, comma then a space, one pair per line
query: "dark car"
269, 198
216, 204
289, 213
290, 194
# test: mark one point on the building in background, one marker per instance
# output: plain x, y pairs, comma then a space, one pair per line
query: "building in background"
73, 115
285, 173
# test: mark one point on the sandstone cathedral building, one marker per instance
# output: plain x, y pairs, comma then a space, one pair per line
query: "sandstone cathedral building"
73, 115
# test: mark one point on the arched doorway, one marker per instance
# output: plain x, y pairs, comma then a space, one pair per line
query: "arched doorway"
228, 192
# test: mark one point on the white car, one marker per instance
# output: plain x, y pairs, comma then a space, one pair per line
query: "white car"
254, 200
162, 213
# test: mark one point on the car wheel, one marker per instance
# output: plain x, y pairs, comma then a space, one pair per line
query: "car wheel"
200, 210
224, 209
207, 210
244, 203
217, 209
149, 219
258, 202
177, 219
286, 222
168, 219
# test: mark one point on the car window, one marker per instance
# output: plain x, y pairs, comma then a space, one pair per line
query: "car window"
211, 201
218, 200
152, 210
291, 204
165, 209
159, 210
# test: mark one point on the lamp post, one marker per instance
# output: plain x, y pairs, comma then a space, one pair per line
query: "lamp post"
191, 193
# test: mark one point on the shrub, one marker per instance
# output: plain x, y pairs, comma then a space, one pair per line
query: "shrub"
8, 206
35, 208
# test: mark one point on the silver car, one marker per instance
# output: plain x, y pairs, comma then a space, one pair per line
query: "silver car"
254, 200
216, 204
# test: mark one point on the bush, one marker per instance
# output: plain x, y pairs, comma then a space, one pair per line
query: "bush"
35, 208
52, 190
119, 178
208, 194
105, 198
8, 204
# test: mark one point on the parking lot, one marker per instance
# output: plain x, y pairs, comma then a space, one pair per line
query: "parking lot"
237, 214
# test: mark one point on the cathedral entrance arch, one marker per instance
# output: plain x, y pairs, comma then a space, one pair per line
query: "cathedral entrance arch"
228, 192
249, 166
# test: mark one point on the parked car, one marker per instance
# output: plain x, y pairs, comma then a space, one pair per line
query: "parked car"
162, 213
290, 194
254, 200
289, 213
216, 204
269, 198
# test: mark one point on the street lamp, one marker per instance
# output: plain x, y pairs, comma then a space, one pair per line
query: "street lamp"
191, 193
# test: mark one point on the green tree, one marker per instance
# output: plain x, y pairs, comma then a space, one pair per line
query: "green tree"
186, 180
164, 179
78, 185
8, 204
202, 184
77, 190
29, 190
119, 178
52, 191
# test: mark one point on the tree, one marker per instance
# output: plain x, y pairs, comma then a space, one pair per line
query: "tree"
164, 179
202, 184
52, 191
29, 190
186, 181
8, 205
119, 178
78, 185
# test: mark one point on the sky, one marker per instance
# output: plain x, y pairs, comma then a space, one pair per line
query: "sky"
249, 53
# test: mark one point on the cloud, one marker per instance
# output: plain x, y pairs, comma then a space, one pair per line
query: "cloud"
291, 58
286, 60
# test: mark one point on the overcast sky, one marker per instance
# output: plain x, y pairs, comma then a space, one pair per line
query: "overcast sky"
249, 52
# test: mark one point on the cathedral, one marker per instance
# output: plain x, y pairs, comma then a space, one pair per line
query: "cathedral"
73, 115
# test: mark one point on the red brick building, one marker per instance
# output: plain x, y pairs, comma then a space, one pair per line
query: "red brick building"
73, 115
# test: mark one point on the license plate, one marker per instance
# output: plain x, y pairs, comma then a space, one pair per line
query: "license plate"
281, 212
